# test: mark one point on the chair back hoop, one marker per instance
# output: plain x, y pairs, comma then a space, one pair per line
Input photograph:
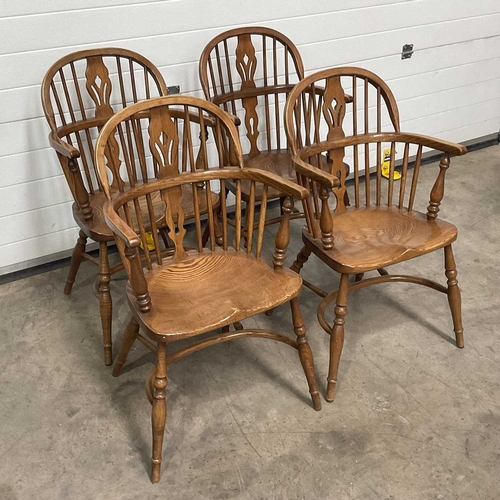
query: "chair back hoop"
82, 90
249, 72
168, 145
167, 134
346, 119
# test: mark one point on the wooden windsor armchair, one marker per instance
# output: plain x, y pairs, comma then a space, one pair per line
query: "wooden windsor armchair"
198, 290
249, 72
80, 92
382, 227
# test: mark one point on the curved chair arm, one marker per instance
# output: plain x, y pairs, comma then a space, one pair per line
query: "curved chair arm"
315, 173
276, 181
62, 147
450, 148
128, 241
121, 229
437, 192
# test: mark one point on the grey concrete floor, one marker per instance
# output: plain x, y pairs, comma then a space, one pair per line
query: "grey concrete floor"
414, 417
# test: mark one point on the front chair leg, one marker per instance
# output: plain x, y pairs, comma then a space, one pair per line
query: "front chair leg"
337, 337
106, 306
305, 353
76, 260
128, 341
454, 298
159, 412
219, 239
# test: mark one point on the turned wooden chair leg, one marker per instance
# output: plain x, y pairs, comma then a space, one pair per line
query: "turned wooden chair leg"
128, 341
206, 235
302, 258
106, 305
305, 353
76, 260
237, 326
359, 276
217, 231
337, 337
159, 412
454, 298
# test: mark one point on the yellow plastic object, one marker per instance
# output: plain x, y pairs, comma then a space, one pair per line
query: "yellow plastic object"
386, 165
150, 242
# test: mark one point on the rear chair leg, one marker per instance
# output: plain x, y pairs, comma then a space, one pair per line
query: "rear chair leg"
219, 235
159, 412
76, 260
337, 337
359, 276
454, 298
128, 341
305, 353
106, 305
302, 258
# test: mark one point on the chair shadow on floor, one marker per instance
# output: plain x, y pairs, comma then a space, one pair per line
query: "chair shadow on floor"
123, 396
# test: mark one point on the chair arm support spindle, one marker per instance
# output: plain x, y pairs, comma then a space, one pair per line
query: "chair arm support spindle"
138, 280
283, 235
437, 191
326, 220
63, 147
76, 183
314, 173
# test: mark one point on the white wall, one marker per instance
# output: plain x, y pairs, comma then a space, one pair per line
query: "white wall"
449, 88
